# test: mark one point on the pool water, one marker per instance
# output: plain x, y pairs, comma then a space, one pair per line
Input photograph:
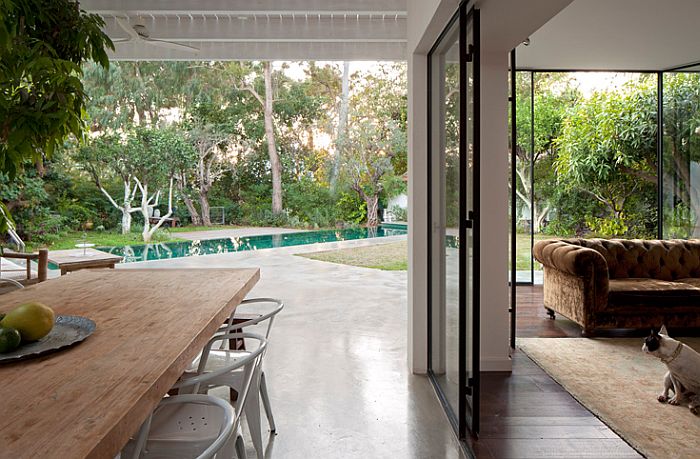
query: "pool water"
163, 251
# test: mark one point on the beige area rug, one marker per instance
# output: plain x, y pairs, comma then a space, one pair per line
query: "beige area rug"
615, 380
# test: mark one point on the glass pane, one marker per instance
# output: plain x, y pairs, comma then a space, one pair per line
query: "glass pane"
681, 155
445, 125
524, 177
594, 155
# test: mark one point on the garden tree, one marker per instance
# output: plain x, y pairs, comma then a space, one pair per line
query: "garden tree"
153, 152
341, 136
681, 131
246, 77
210, 143
42, 45
554, 94
145, 161
130, 93
107, 156
327, 85
607, 149
376, 133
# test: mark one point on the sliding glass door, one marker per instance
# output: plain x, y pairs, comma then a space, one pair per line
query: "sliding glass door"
454, 233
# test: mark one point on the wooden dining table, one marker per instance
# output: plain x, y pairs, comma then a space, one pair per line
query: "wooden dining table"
87, 400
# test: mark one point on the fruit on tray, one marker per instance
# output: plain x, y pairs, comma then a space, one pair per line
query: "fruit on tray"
32, 320
9, 339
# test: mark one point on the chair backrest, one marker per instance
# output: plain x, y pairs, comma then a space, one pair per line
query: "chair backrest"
239, 320
248, 362
12, 282
225, 432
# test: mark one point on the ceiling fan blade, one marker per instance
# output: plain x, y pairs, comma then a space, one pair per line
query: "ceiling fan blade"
121, 40
126, 27
172, 45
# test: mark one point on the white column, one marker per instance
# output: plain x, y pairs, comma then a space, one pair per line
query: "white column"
418, 213
495, 348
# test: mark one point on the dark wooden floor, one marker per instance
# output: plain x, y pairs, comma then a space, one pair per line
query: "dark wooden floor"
526, 414
532, 320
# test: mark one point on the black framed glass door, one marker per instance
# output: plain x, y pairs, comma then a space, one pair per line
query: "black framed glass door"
454, 223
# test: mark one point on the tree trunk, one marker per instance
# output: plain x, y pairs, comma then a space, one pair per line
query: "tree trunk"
194, 215
148, 231
275, 165
204, 207
372, 210
125, 208
126, 222
340, 140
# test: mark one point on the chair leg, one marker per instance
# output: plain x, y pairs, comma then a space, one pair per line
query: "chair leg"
252, 414
266, 402
240, 448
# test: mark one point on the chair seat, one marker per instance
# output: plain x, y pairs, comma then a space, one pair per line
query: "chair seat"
181, 431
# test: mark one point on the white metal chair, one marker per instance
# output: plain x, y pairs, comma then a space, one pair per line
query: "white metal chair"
185, 426
197, 428
260, 319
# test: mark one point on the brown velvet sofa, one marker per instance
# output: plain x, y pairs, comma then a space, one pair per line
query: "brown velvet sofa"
605, 284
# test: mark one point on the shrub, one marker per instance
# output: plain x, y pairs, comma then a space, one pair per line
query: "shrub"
400, 214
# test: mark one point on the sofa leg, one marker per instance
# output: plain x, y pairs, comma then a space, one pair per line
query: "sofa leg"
588, 333
550, 312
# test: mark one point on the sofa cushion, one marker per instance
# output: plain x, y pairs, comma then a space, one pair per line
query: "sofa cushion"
645, 292
657, 259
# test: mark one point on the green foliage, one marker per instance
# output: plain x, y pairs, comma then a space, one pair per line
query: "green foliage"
42, 45
400, 214
594, 157
350, 208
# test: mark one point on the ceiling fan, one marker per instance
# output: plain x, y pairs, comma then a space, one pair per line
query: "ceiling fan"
139, 32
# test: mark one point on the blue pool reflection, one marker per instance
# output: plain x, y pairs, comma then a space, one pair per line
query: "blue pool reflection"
163, 251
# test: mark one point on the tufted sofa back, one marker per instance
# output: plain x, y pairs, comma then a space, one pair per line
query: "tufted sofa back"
657, 259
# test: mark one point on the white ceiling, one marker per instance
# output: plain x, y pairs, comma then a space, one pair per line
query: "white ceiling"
616, 35
264, 29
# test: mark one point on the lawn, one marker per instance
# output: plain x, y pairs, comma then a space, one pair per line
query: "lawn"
389, 257
100, 238
523, 249
113, 238
394, 256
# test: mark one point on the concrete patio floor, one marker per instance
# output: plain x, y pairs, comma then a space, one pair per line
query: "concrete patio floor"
336, 366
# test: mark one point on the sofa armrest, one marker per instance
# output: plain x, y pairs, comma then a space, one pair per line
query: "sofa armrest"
575, 280
571, 259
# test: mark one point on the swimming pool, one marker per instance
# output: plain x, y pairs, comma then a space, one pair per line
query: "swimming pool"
163, 251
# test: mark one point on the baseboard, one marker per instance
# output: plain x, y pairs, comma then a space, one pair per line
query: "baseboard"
492, 365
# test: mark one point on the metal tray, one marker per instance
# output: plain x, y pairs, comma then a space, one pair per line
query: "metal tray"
67, 331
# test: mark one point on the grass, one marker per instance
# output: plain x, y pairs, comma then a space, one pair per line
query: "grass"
394, 256
100, 238
522, 242
388, 257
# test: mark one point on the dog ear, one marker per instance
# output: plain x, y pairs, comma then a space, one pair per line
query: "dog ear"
663, 330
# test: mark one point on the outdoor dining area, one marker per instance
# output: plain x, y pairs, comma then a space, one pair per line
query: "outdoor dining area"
139, 363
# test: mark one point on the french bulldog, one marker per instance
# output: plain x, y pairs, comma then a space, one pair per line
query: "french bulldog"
683, 363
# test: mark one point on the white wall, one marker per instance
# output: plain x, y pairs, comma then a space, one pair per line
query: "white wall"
426, 19
504, 23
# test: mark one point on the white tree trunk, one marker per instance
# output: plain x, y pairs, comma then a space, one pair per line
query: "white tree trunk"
151, 201
125, 208
275, 165
341, 137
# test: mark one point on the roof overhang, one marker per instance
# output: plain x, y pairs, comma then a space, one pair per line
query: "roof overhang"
640, 35
261, 30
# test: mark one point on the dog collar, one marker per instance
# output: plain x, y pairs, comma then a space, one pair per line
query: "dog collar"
675, 354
